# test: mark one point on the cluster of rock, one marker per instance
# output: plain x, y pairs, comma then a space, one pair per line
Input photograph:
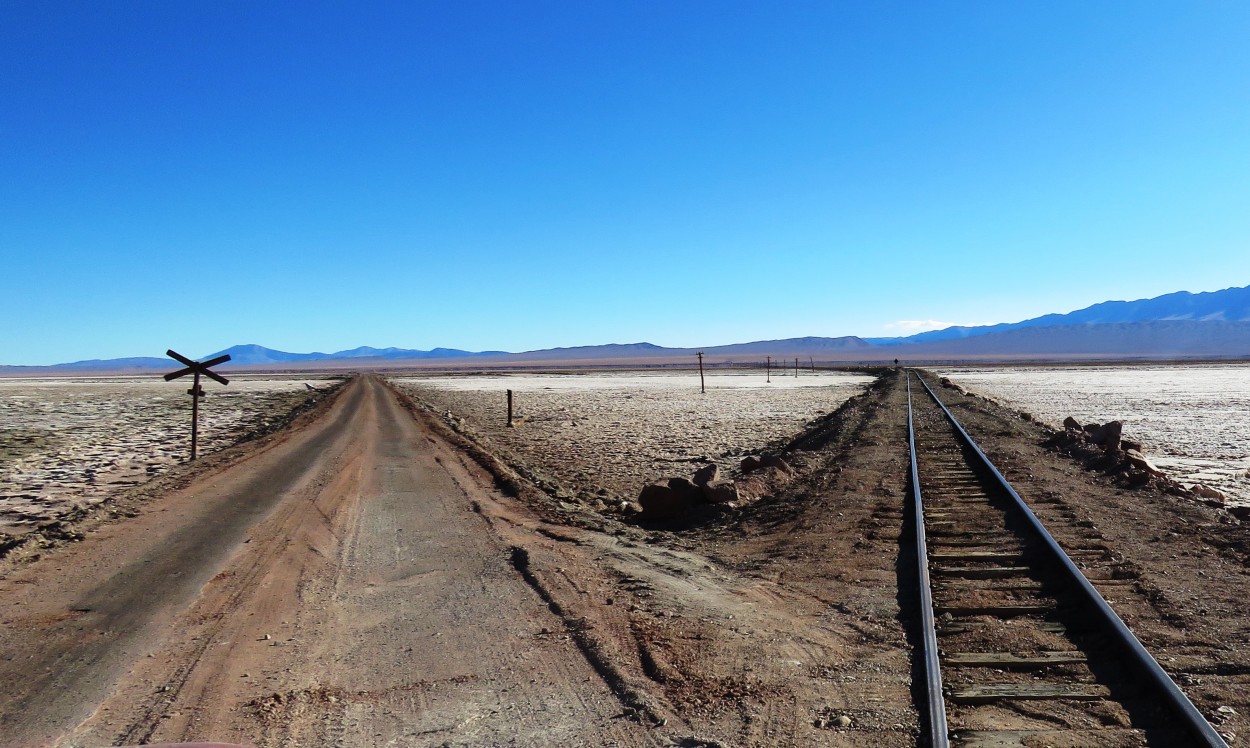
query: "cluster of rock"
674, 496
1127, 459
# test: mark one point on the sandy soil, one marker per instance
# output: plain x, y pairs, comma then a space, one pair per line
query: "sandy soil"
377, 577
71, 443
601, 437
832, 539
779, 625
337, 589
1191, 418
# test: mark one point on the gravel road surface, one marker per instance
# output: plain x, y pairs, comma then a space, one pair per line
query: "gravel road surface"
339, 588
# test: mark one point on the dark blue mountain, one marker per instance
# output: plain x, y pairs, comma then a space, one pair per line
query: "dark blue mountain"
250, 353
1228, 305
137, 362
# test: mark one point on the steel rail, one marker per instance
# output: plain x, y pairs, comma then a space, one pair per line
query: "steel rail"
1132, 646
939, 731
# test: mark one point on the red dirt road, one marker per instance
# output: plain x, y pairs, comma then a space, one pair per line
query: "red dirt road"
342, 587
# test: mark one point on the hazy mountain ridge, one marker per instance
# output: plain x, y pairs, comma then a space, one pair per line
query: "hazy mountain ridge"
252, 354
760, 348
807, 345
1181, 324
1229, 305
134, 362
1153, 339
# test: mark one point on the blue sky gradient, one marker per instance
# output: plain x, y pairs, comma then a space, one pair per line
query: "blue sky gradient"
521, 175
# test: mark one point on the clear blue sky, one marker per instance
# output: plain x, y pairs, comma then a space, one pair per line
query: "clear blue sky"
519, 175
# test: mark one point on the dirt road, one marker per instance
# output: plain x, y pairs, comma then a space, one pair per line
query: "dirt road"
341, 588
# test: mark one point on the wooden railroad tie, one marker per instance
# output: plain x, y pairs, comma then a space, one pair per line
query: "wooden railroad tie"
1026, 738
1000, 556
1000, 611
1008, 661
992, 572
964, 627
988, 693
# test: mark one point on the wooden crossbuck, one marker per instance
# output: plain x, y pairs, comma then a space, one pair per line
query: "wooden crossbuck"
196, 368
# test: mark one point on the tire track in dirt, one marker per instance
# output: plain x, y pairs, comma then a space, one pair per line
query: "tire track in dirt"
759, 632
109, 595
336, 590
457, 642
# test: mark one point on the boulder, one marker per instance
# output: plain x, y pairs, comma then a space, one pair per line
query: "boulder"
750, 464
706, 474
1125, 444
720, 492
1106, 433
751, 487
1137, 477
1072, 423
1139, 461
1111, 435
658, 501
654, 498
685, 490
1240, 512
774, 461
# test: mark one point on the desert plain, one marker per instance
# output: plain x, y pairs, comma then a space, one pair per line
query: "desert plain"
70, 443
1192, 417
396, 565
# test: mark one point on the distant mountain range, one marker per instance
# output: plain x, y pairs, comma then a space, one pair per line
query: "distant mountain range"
252, 354
1178, 325
1229, 305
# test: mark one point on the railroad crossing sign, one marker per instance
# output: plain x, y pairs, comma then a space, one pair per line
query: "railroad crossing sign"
196, 392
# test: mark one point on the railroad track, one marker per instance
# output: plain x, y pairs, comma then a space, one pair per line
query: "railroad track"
1018, 647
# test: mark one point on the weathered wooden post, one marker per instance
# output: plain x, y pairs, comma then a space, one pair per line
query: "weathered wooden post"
196, 392
812, 362
702, 384
510, 409
796, 368
768, 369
